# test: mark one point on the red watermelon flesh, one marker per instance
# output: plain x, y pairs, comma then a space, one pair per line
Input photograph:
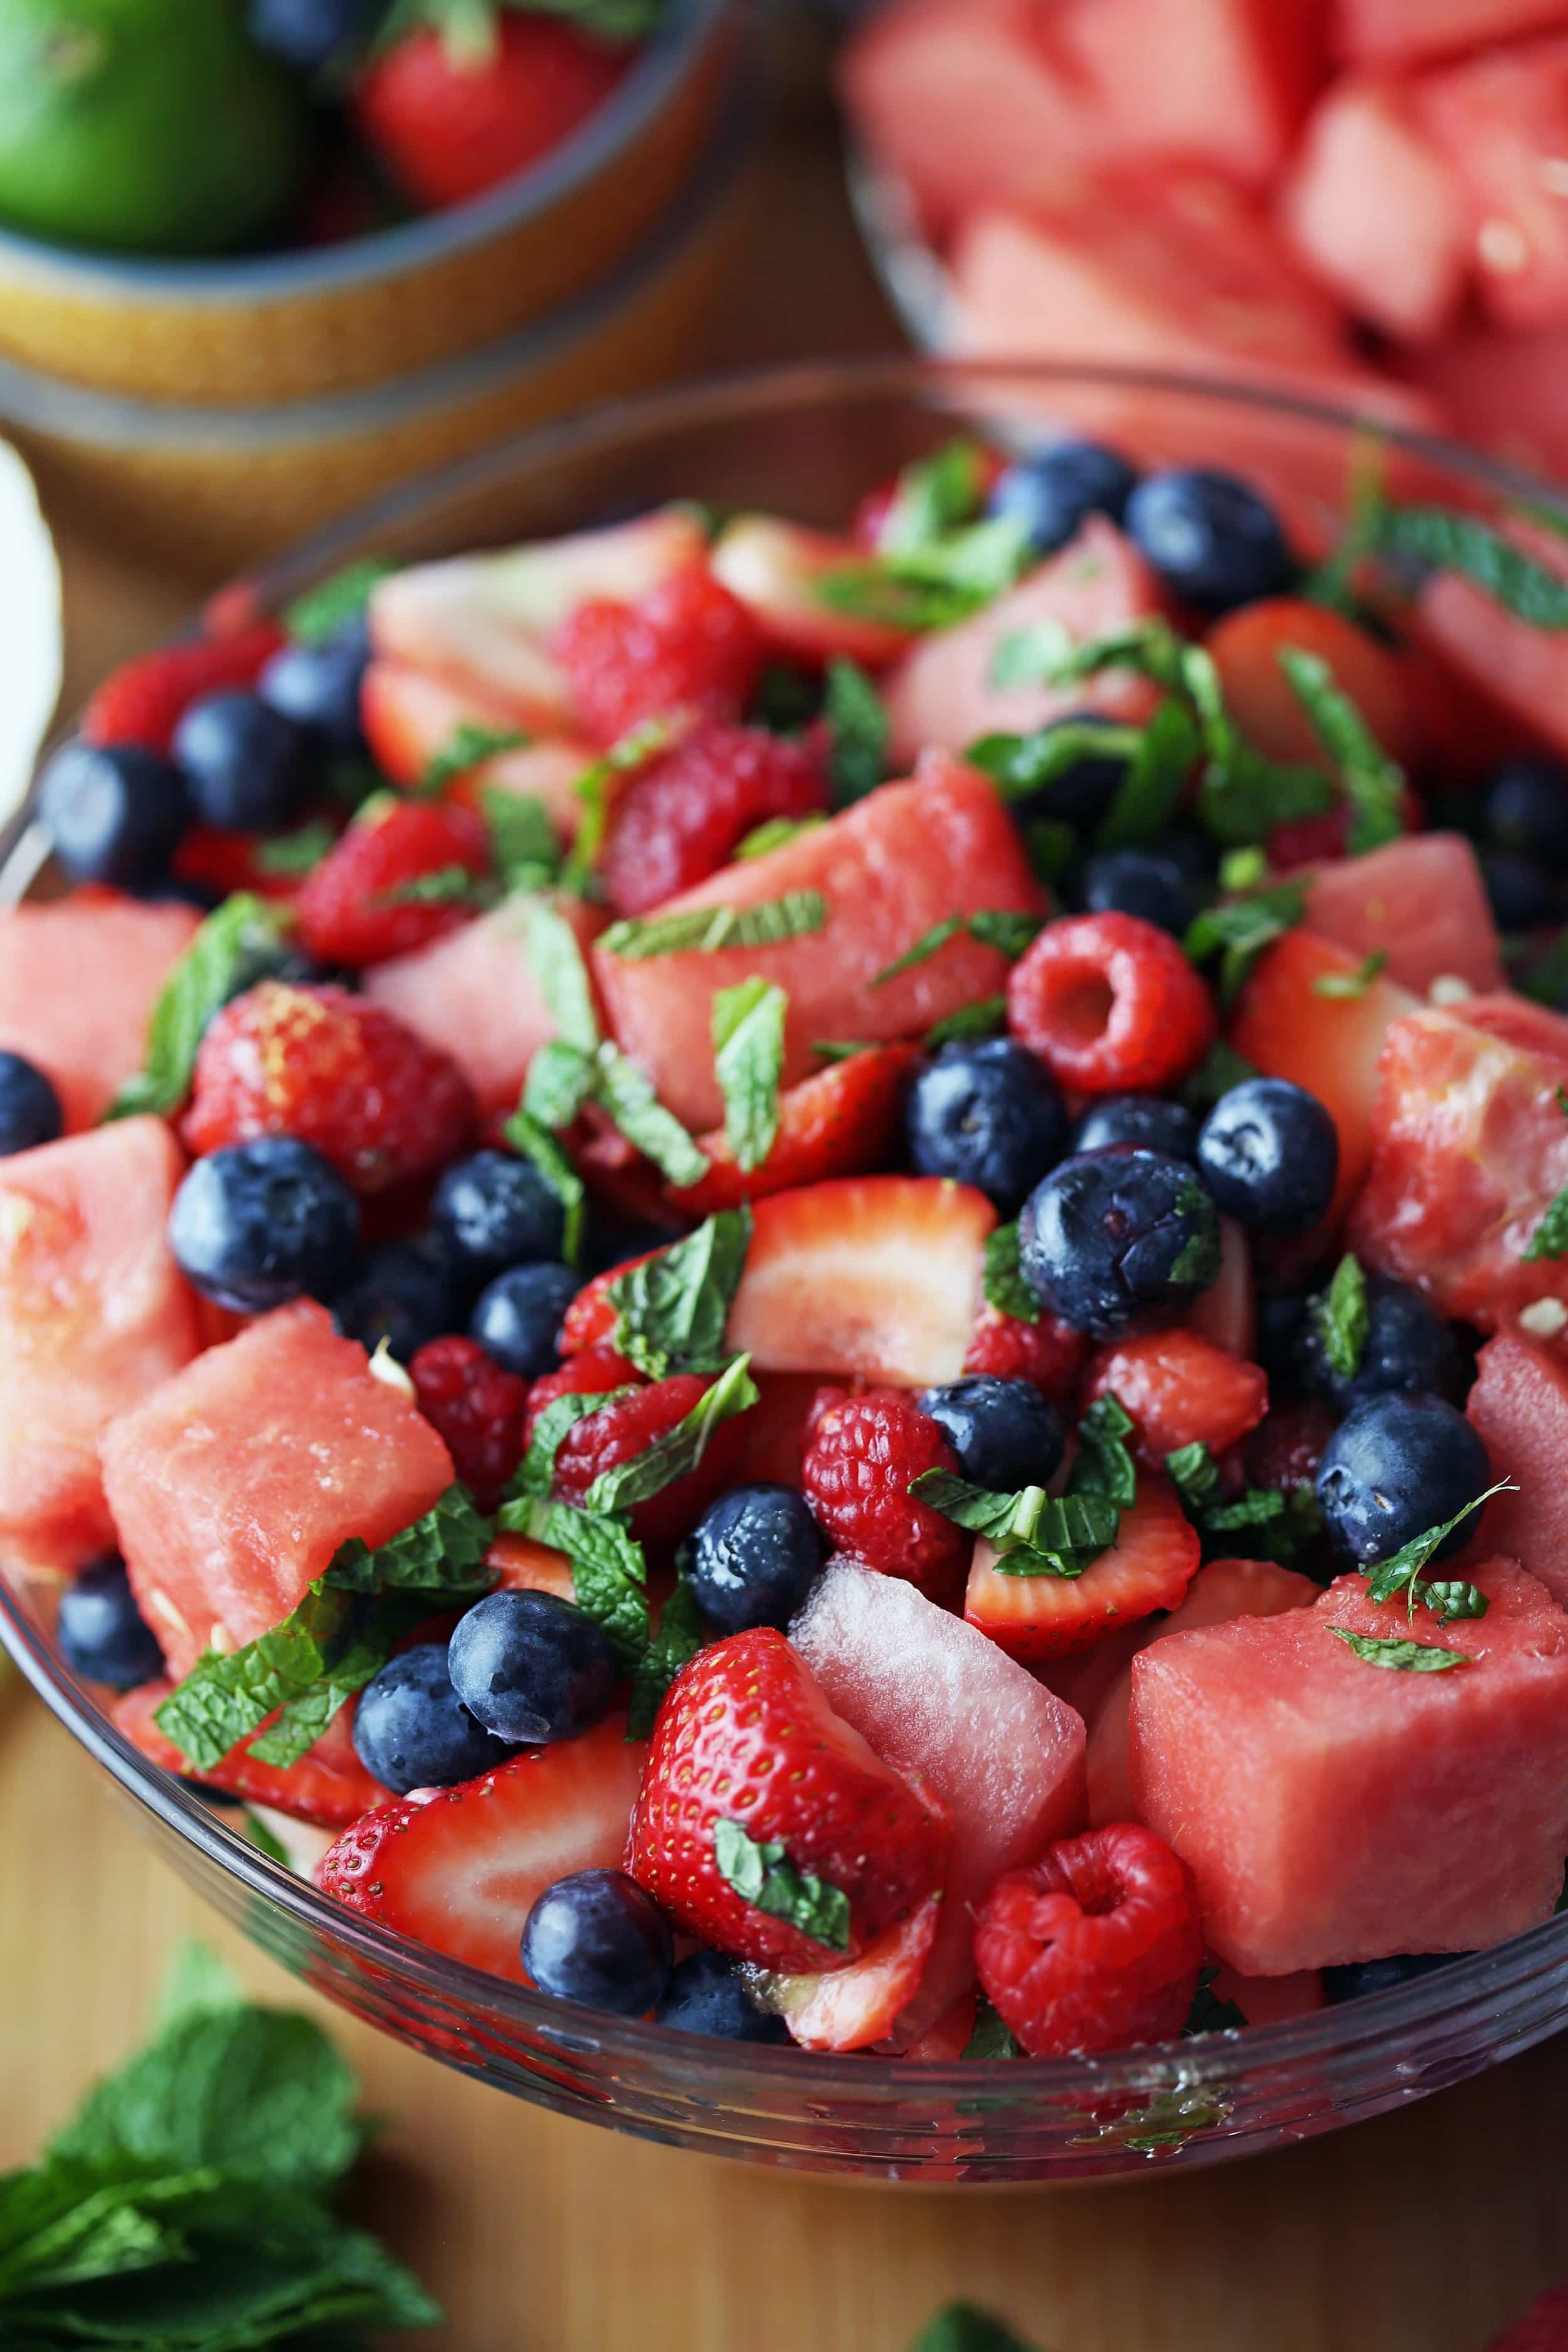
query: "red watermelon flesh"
1270, 2001
78, 980
1404, 32
1470, 1146
473, 994
1543, 2328
234, 1483
904, 858
1510, 661
411, 718
942, 692
94, 1313
1376, 214
945, 1707
1520, 1405
1501, 120
1332, 1811
1421, 902
1503, 393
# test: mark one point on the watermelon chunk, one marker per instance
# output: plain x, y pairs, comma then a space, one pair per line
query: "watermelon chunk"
234, 1483
329, 1785
1403, 32
906, 857
942, 692
1501, 120
475, 995
1376, 211
411, 718
78, 980
1510, 661
1503, 393
93, 1314
944, 1705
1520, 1405
1469, 1148
1332, 1811
1421, 902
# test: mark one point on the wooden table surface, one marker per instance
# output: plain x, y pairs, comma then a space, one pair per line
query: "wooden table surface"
1423, 2231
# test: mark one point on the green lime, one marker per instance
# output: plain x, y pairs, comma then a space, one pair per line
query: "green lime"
143, 126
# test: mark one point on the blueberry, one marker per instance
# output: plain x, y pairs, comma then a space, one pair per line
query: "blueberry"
309, 33
1112, 1233
179, 890
518, 1317
30, 1110
413, 1731
1139, 882
405, 1293
598, 1939
1052, 494
753, 1557
1147, 1119
532, 1668
1269, 1152
1281, 1336
988, 1115
1397, 1465
246, 767
1524, 895
318, 686
1209, 537
1408, 1346
1354, 1979
103, 1635
1080, 795
496, 1212
113, 813
1527, 811
1004, 1433
258, 1224
706, 1994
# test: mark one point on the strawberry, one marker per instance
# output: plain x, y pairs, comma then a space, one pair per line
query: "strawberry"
776, 569
849, 2009
619, 1432
460, 1870
412, 720
452, 112
144, 700
328, 1784
744, 1737
591, 1372
590, 1319
361, 905
843, 1122
221, 862
1154, 1559
1047, 1354
687, 645
520, 1565
1180, 1390
334, 1070
684, 816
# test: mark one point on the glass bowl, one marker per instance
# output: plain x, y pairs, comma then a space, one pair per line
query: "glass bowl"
808, 441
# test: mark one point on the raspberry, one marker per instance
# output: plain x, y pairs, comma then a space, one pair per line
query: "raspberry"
594, 1372
862, 1455
1096, 1946
619, 1432
1047, 1354
688, 645
1111, 1004
144, 700
477, 1408
684, 817
337, 1071
1286, 1447
351, 909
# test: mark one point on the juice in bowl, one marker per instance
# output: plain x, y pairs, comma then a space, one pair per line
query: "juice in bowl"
791, 1269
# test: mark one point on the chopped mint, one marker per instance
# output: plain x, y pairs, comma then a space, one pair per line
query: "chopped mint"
842, 1049
707, 931
466, 748
556, 961
764, 1876
1440, 539
1401, 1572
560, 1080
991, 2037
1373, 783
1352, 984
626, 1094
535, 1472
786, 700
858, 733
679, 1450
1209, 2013
1006, 1288
930, 587
294, 855
1406, 1657
985, 1018
533, 1139
523, 844
443, 886
1342, 1318
748, 1061
1276, 1523
672, 1309
1002, 927
1151, 791
336, 604
683, 1632
1239, 931
597, 787
1221, 1068
1031, 1534
609, 1571
776, 832
935, 496
1104, 1463
231, 949
1022, 765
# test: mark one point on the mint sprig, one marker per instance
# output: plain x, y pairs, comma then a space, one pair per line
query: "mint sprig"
986, 1017
1386, 1579
762, 1875
233, 948
749, 1023
1440, 539
670, 1310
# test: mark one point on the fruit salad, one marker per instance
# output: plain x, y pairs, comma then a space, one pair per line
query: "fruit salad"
814, 1284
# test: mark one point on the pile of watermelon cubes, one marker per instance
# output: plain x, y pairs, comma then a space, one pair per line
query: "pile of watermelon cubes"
816, 1285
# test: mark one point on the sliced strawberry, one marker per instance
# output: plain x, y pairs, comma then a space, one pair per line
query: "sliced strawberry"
330, 1785
775, 1429
411, 719
1227, 1312
777, 569
843, 1122
1153, 1560
590, 1319
946, 2042
1247, 646
849, 2009
1047, 1354
1180, 1390
461, 1870
144, 700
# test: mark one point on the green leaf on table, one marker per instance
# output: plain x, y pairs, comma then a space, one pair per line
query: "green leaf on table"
748, 1062
763, 1875
672, 1309
337, 603
232, 949
858, 733
709, 930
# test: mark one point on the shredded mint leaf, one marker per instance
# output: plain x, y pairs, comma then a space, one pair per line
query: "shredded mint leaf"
1239, 931
679, 1450
533, 1139
625, 1092
1151, 791
224, 1698
764, 1876
1352, 984
842, 1049
561, 1079
931, 587
443, 886
1373, 783
858, 733
672, 1309
963, 2326
683, 1632
1221, 1068
523, 848
326, 610
298, 853
536, 1472
749, 1059
1406, 1657
556, 961
1550, 1239
1031, 1534
776, 833
707, 931
443, 1551
930, 943
597, 785
1401, 1572
1277, 1524
1006, 1288
1002, 927
1440, 539
935, 496
230, 950
467, 748
1104, 1463
991, 2038
984, 1018
1022, 765
1342, 1319
1208, 2013
609, 1571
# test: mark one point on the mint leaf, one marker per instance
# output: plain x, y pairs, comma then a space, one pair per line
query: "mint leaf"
532, 1138
1277, 1523
930, 943
599, 785
707, 931
1209, 2013
764, 1876
1221, 1068
1373, 783
1022, 765
984, 1018
1031, 1534
991, 2038
1006, 1288
1439, 538
680, 1450
842, 1049
443, 886
1002, 927
935, 496
1342, 1319
625, 1091
1239, 931
466, 748
231, 949
1352, 984
325, 611
683, 1632
289, 854
858, 733
443, 1551
609, 1570
673, 1308
523, 848
748, 1061
1401, 1572
963, 2326
560, 1080
776, 832
1404, 1657
556, 961
933, 586
1104, 1465
535, 1474
224, 1698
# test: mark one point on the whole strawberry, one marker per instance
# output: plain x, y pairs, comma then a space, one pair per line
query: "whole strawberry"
369, 898
334, 1070
862, 1456
766, 1827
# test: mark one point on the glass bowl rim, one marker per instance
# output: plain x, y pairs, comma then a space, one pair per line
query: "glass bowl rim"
1368, 2024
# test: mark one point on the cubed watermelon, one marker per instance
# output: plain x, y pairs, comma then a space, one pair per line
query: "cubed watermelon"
234, 1484
411, 719
1420, 902
943, 1704
1503, 393
78, 980
473, 994
1376, 211
1332, 1811
943, 691
1404, 32
93, 1314
904, 858
1501, 120
1510, 661
1520, 1405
